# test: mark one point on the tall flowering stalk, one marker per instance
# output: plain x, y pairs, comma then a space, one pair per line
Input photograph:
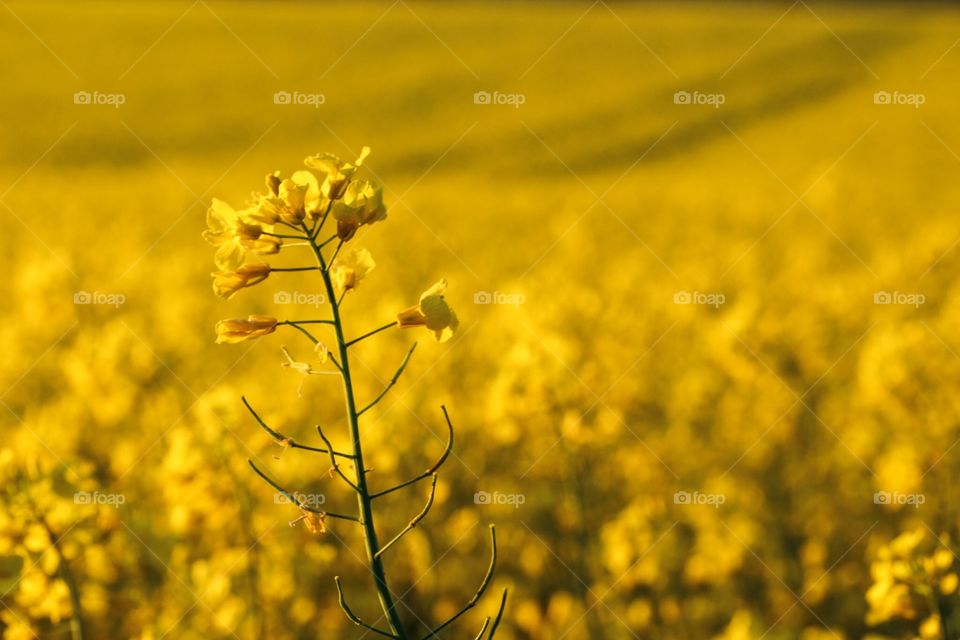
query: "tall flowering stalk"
293, 213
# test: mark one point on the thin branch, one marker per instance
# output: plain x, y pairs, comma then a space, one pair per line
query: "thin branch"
333, 359
496, 621
416, 519
287, 224
483, 587
335, 253
429, 472
389, 325
318, 225
289, 496
353, 617
284, 440
327, 241
486, 623
333, 461
282, 235
274, 269
393, 381
296, 325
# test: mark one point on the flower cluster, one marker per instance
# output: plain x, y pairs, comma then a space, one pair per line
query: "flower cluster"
299, 206
914, 579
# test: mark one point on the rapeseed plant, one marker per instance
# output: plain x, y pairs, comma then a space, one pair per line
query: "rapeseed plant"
293, 215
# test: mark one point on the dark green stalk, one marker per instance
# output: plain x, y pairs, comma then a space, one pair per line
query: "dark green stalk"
364, 501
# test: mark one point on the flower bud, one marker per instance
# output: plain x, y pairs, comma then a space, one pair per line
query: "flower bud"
273, 183
236, 330
227, 283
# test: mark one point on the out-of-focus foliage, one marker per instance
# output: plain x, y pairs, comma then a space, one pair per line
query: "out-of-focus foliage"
820, 417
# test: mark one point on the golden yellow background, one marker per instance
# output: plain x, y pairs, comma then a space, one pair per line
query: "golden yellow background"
597, 399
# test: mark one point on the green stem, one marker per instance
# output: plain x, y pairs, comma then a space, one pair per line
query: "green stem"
389, 325
364, 501
281, 235
336, 252
328, 241
278, 269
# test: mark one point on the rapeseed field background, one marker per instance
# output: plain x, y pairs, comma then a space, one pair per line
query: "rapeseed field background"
704, 261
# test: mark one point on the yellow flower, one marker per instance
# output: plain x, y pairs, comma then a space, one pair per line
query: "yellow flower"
222, 233
289, 200
930, 628
293, 196
16, 628
273, 182
943, 559
432, 312
906, 542
350, 268
239, 329
227, 283
362, 204
312, 202
948, 584
337, 173
234, 233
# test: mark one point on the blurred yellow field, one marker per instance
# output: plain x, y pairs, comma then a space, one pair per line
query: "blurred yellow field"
703, 260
